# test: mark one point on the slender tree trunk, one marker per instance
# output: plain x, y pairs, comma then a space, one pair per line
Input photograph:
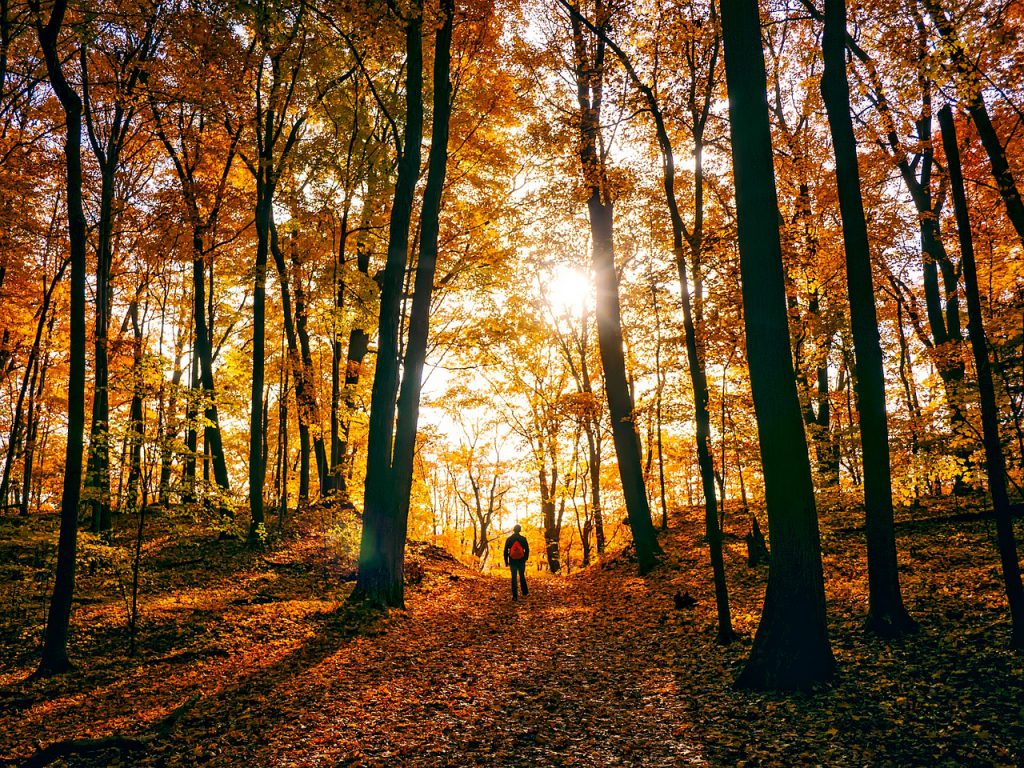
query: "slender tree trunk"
660, 376
994, 459
203, 350
31, 434
886, 613
54, 654
97, 478
136, 429
548, 509
302, 386
257, 460
791, 647
312, 405
589, 80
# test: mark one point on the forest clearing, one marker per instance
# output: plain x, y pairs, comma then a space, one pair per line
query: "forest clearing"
595, 669
511, 382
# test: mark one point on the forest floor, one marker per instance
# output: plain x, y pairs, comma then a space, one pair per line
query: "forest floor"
252, 659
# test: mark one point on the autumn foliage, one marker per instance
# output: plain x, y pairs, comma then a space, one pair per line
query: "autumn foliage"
303, 305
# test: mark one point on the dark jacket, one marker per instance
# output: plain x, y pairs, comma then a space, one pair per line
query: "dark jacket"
522, 540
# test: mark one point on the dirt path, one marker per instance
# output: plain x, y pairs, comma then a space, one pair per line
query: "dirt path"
468, 677
594, 670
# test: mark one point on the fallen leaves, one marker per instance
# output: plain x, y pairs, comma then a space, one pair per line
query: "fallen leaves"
593, 670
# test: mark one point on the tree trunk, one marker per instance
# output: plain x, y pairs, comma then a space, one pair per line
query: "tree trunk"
54, 654
303, 393
995, 461
975, 103
312, 405
381, 546
547, 509
886, 613
426, 268
791, 647
257, 460
204, 352
97, 478
589, 81
136, 433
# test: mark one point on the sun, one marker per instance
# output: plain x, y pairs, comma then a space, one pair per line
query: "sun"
567, 291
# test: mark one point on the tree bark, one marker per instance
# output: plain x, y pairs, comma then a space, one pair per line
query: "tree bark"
791, 647
589, 82
886, 614
381, 549
54, 654
995, 461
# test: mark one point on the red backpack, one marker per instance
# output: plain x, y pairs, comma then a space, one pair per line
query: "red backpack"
516, 551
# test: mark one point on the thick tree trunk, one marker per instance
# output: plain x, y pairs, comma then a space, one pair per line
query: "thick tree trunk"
426, 269
54, 654
381, 546
995, 461
791, 648
886, 613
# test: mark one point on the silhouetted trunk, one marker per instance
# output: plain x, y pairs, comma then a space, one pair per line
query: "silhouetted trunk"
660, 378
257, 459
188, 473
203, 351
426, 269
302, 394
136, 433
886, 613
54, 654
382, 544
311, 403
593, 430
698, 378
28, 382
995, 461
589, 88
32, 431
791, 647
548, 509
97, 476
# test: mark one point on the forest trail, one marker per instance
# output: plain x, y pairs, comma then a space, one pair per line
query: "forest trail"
472, 678
266, 667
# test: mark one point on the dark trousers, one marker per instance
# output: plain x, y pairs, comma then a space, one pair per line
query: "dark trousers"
518, 567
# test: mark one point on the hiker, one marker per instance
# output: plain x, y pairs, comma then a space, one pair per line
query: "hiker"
517, 552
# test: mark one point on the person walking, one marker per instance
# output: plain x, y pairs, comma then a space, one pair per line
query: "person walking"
517, 552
